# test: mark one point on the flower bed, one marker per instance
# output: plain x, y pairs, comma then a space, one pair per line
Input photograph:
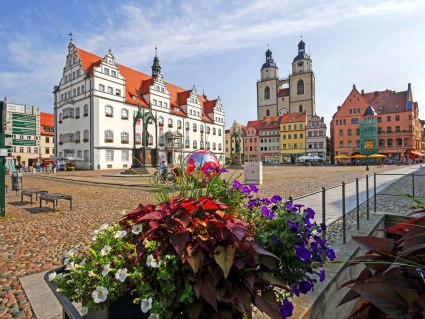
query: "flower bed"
214, 251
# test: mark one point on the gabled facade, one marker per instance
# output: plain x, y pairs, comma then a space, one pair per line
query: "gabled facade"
316, 137
97, 99
292, 136
47, 135
396, 117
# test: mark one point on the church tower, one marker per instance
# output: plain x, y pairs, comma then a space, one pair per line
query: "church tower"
156, 68
302, 84
267, 88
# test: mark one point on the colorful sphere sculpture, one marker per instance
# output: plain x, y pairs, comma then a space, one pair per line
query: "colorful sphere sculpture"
201, 164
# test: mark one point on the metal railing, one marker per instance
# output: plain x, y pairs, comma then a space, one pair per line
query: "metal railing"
355, 194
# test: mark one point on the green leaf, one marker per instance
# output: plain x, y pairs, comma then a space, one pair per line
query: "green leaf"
224, 257
274, 281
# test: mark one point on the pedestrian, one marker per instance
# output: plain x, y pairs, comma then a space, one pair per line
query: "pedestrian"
58, 166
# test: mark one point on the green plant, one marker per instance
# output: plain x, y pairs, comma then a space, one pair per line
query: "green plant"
392, 284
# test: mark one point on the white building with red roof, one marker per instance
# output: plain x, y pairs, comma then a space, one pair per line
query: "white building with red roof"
95, 103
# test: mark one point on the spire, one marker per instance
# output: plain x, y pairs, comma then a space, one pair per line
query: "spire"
156, 68
269, 59
301, 46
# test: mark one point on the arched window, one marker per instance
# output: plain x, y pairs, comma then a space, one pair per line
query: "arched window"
60, 117
381, 143
214, 145
187, 125
195, 144
170, 122
86, 136
300, 87
267, 93
219, 146
208, 130
161, 121
389, 143
124, 137
86, 110
300, 108
267, 112
124, 114
201, 127
77, 112
295, 145
195, 127
219, 132
214, 131
109, 136
109, 111
77, 137
179, 124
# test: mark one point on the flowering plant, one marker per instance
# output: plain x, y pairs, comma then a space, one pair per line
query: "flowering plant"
214, 254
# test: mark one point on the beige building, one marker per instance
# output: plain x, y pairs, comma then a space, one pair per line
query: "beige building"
47, 135
234, 143
278, 96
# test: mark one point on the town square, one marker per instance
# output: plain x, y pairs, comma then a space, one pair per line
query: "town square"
209, 159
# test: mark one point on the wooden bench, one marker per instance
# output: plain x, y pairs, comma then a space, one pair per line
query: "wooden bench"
30, 192
54, 198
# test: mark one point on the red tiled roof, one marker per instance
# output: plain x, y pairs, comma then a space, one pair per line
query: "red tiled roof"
259, 125
294, 117
46, 119
283, 92
391, 101
138, 82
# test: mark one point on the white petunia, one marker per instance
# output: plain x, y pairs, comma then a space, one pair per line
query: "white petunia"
137, 229
146, 243
91, 273
105, 250
52, 276
153, 316
100, 294
94, 238
59, 275
120, 234
121, 274
151, 262
106, 269
70, 266
83, 262
146, 305
104, 226
84, 311
66, 261
70, 253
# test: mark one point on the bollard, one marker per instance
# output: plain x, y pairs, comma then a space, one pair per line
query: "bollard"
413, 184
374, 192
344, 239
291, 200
357, 204
367, 197
324, 211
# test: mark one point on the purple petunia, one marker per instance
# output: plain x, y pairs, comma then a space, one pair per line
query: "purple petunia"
237, 184
246, 190
253, 188
267, 212
320, 241
286, 309
293, 226
323, 226
315, 247
305, 286
309, 213
291, 208
307, 222
266, 201
303, 253
330, 253
322, 275
295, 290
223, 170
276, 198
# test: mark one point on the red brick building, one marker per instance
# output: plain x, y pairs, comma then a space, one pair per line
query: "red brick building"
398, 128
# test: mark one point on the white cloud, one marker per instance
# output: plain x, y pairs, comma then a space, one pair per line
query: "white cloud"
187, 29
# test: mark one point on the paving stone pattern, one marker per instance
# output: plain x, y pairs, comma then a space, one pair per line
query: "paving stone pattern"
391, 200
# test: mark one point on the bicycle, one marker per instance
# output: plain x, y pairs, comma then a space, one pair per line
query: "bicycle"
158, 178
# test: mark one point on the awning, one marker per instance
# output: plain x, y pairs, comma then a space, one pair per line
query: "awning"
416, 153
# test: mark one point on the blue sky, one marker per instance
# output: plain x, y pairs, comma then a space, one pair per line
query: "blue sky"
219, 45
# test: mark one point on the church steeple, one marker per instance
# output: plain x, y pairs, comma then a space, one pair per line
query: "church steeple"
301, 47
269, 60
156, 68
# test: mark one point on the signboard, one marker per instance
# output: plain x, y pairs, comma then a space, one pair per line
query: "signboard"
27, 125
23, 131
15, 108
28, 109
23, 117
24, 142
368, 145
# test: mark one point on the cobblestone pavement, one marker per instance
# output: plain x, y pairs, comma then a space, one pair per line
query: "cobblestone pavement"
34, 239
391, 200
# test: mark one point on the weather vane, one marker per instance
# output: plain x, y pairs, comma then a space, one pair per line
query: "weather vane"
70, 34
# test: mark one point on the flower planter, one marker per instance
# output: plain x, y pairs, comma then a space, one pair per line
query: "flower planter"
123, 308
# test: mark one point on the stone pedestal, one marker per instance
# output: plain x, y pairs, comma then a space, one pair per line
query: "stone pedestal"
253, 173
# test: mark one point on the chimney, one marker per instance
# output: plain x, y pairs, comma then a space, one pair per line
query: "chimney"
362, 92
376, 94
323, 119
354, 86
338, 107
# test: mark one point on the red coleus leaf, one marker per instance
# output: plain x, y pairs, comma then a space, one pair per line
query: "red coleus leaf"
179, 241
189, 204
155, 215
183, 219
261, 251
208, 204
405, 227
376, 244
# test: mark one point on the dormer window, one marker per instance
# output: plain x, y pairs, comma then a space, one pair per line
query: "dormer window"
106, 71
